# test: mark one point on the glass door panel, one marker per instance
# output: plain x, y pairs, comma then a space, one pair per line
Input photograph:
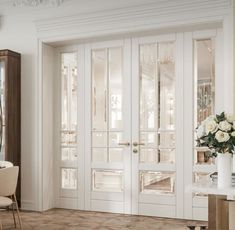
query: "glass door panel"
109, 148
155, 125
69, 128
2, 110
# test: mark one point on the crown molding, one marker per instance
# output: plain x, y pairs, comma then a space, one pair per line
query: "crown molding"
132, 19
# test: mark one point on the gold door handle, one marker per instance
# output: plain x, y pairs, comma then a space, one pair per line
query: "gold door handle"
136, 143
135, 150
124, 143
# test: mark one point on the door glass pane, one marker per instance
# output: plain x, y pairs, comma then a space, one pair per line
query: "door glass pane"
157, 182
204, 89
115, 154
148, 87
2, 109
69, 178
115, 138
115, 88
69, 154
107, 180
99, 89
167, 155
157, 102
99, 139
148, 155
166, 85
99, 155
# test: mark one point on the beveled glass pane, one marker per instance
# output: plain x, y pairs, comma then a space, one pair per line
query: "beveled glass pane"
115, 138
167, 139
203, 157
69, 154
152, 182
99, 155
107, 180
166, 85
148, 87
115, 88
148, 139
69, 138
2, 108
204, 87
167, 156
99, 139
148, 155
202, 178
69, 91
115, 155
99, 89
69, 178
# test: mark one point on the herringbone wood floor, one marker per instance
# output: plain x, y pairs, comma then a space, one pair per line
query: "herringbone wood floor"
61, 219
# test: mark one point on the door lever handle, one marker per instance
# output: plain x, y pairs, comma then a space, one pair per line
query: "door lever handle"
136, 143
124, 143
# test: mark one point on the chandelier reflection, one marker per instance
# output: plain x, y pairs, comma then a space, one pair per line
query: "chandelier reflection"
35, 3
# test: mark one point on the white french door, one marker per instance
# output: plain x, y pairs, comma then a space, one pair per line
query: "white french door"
123, 136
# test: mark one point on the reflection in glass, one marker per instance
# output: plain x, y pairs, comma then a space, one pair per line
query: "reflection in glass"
69, 111
167, 155
115, 88
152, 182
148, 87
166, 85
204, 78
157, 102
2, 95
148, 138
203, 179
107, 180
148, 155
115, 138
99, 89
69, 154
69, 178
167, 139
203, 157
99, 139
99, 155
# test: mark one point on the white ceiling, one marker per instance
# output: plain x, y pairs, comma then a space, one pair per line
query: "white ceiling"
69, 7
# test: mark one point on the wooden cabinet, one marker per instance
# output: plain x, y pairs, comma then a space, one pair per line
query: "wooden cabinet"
10, 121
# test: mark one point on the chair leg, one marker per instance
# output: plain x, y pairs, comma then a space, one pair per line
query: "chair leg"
12, 206
18, 213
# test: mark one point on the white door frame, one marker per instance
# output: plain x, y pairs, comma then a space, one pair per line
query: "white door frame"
46, 34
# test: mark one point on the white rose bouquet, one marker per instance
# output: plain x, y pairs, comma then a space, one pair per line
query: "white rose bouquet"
217, 132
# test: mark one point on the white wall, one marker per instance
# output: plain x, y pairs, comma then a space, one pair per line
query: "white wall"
17, 34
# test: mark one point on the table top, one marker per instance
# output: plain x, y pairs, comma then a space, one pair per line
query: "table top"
211, 189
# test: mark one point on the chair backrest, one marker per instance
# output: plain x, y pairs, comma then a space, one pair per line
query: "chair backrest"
6, 164
8, 180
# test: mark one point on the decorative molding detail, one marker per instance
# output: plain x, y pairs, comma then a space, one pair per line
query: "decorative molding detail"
136, 18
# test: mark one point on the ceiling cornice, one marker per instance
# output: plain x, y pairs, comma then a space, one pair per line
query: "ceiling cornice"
148, 16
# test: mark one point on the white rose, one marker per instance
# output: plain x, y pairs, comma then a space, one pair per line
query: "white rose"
230, 118
224, 126
222, 136
233, 134
211, 126
201, 131
210, 118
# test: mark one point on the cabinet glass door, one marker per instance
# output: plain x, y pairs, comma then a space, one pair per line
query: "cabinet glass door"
2, 110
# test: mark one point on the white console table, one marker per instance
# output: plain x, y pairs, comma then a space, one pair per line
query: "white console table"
221, 206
